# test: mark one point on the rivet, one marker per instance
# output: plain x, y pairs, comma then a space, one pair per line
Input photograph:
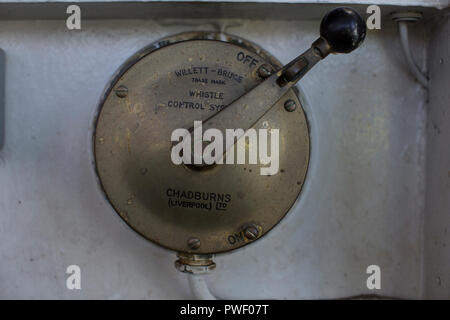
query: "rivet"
290, 105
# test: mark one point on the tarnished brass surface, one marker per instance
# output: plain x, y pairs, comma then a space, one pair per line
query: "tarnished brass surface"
132, 146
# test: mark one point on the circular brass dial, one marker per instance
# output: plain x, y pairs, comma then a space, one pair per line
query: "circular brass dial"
164, 87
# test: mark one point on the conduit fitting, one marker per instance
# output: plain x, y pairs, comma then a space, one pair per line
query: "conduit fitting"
194, 263
411, 16
402, 19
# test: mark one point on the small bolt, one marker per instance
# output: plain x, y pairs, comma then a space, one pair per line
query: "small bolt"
265, 71
194, 243
121, 91
251, 232
290, 105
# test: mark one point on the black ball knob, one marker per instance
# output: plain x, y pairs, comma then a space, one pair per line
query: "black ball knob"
344, 29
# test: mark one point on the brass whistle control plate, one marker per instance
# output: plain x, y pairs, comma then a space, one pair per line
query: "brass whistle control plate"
166, 86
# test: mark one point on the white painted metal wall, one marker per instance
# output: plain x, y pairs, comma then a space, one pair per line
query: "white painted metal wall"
363, 202
437, 220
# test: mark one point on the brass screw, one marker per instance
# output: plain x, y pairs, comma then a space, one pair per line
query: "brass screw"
251, 232
290, 105
121, 91
194, 243
265, 71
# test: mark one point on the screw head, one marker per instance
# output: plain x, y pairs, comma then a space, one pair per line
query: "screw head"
194, 243
121, 91
251, 232
290, 105
265, 71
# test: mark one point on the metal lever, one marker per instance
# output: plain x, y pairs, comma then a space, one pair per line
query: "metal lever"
342, 30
